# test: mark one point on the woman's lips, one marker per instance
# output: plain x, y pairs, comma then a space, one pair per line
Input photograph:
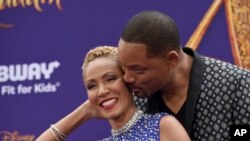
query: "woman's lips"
109, 103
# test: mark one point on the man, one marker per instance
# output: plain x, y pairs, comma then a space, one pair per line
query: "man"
206, 95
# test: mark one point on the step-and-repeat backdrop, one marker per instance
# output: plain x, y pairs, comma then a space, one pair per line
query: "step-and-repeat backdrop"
43, 42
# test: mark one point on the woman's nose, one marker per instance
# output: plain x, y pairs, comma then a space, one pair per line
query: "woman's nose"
103, 91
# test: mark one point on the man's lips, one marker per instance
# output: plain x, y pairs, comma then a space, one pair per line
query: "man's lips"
135, 89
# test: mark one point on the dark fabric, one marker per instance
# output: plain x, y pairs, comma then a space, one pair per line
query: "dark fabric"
157, 105
218, 96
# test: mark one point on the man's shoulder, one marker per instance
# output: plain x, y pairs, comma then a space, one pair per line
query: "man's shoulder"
224, 70
212, 62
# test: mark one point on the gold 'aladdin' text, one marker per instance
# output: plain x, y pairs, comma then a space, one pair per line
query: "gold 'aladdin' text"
25, 3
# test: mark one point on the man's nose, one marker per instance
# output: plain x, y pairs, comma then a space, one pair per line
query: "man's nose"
128, 77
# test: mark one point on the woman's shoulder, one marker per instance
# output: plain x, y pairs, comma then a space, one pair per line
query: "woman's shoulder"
154, 118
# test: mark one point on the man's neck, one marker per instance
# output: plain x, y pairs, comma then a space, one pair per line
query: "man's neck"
175, 94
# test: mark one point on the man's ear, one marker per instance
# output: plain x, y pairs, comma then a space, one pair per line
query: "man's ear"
172, 58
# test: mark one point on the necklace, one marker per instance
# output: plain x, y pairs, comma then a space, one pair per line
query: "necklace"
137, 115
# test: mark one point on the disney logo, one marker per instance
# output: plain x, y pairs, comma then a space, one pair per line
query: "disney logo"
15, 136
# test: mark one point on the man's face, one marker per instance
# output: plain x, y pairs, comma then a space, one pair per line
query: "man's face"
145, 75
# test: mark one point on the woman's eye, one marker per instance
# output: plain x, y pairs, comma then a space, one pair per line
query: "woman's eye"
89, 87
111, 78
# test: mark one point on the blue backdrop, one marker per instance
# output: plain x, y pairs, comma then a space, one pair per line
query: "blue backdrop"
42, 46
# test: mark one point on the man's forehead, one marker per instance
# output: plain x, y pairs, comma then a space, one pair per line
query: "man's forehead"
133, 63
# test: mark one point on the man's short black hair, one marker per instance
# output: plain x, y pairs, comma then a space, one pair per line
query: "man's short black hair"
156, 30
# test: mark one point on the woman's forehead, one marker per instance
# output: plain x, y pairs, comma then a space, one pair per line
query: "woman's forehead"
100, 66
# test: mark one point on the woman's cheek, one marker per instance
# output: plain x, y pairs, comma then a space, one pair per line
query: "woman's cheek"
92, 97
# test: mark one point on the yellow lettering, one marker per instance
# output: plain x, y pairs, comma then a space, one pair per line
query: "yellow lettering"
2, 4
43, 1
37, 6
58, 4
15, 3
28, 2
8, 3
24, 3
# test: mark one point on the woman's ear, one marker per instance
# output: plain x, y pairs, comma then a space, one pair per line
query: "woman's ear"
172, 58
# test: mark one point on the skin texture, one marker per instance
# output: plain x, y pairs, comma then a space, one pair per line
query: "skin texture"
110, 98
148, 74
145, 74
107, 91
152, 39
172, 130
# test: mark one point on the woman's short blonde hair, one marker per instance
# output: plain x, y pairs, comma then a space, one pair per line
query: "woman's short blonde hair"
99, 52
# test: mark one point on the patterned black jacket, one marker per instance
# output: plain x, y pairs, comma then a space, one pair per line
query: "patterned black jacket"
218, 96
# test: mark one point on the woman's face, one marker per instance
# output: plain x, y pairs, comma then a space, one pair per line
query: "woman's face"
105, 87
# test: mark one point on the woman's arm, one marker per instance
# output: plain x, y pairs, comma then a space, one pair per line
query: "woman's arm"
70, 122
172, 130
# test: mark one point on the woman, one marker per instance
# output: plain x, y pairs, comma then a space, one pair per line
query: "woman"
110, 98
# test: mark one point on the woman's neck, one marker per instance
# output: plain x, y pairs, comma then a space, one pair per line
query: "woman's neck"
123, 119
129, 124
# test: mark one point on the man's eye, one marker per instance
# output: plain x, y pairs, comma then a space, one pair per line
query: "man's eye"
139, 70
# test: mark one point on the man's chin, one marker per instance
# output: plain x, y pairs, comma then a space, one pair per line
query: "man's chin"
140, 94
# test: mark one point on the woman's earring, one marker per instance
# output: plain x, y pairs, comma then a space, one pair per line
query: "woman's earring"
133, 93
